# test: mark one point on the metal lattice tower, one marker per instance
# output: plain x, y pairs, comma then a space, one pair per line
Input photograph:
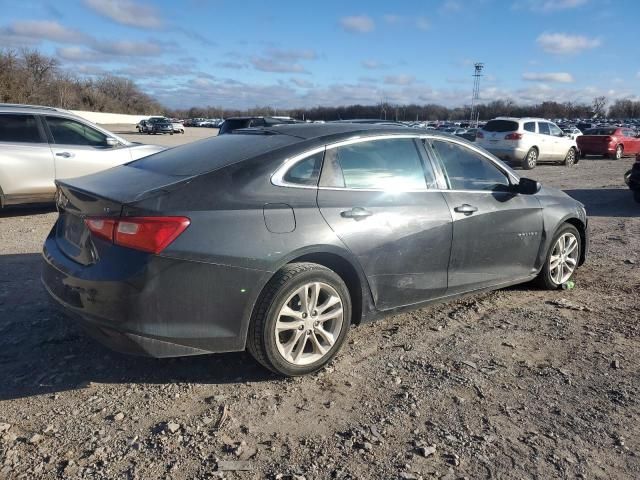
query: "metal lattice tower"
476, 92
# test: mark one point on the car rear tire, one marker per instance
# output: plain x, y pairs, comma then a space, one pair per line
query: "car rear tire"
562, 259
571, 158
619, 152
292, 336
530, 160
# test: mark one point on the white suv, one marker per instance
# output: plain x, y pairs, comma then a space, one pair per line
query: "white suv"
527, 141
39, 145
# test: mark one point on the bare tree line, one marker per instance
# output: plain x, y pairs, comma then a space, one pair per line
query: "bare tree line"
27, 76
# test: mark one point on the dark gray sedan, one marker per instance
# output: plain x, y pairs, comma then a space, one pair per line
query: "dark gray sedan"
278, 239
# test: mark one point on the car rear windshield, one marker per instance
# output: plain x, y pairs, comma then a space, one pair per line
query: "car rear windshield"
210, 154
501, 126
600, 131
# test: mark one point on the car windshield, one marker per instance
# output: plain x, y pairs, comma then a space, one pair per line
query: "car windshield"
501, 126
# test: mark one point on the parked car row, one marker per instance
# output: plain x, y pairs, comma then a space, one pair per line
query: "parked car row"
156, 125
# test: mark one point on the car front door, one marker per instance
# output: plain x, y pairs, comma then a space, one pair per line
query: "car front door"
547, 143
561, 144
379, 196
26, 162
631, 142
80, 150
496, 233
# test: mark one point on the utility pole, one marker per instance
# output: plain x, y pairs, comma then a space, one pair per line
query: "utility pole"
475, 116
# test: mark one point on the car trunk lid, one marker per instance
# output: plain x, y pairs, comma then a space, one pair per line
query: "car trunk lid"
76, 200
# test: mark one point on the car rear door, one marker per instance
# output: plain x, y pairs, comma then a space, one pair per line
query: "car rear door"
79, 149
380, 197
26, 163
496, 233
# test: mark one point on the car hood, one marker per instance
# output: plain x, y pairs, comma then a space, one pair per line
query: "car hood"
143, 150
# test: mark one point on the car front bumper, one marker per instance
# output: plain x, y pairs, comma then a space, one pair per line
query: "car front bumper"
154, 306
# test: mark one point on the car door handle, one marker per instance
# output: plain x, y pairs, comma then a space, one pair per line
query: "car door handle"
466, 209
64, 154
356, 213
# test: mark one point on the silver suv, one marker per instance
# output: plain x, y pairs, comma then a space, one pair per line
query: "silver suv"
39, 145
527, 141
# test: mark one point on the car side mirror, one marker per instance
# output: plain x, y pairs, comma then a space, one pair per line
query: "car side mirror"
111, 142
526, 186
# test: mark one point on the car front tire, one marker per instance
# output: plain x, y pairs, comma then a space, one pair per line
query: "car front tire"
562, 259
301, 320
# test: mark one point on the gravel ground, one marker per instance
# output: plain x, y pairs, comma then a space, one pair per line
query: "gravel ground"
519, 383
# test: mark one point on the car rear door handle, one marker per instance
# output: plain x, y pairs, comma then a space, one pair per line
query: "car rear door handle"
466, 209
64, 154
356, 213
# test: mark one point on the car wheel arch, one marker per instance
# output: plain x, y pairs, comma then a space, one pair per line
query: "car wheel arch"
582, 230
345, 265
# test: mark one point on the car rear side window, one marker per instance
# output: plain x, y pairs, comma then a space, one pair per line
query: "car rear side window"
387, 164
69, 132
19, 129
530, 127
501, 126
543, 128
305, 172
466, 169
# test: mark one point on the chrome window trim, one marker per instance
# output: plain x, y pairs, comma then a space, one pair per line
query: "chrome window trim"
277, 178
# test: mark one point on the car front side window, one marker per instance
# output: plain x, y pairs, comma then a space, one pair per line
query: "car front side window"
555, 131
467, 169
543, 128
386, 164
69, 132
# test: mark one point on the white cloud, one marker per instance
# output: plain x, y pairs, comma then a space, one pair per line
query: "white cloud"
399, 79
127, 12
423, 23
372, 64
563, 44
557, 77
276, 66
451, 6
302, 83
547, 6
393, 19
358, 24
31, 30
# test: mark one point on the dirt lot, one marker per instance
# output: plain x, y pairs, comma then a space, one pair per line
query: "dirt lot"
518, 383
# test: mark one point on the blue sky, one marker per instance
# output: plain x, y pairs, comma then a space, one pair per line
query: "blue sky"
298, 53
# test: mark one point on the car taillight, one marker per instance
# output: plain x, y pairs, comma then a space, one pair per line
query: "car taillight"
149, 234
513, 136
479, 135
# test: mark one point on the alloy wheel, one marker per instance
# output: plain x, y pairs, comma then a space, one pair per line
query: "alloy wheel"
564, 258
618, 152
571, 157
532, 158
309, 323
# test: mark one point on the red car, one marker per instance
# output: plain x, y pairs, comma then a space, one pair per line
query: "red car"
613, 142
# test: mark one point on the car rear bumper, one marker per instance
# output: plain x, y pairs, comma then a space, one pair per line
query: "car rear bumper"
597, 149
152, 305
506, 153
